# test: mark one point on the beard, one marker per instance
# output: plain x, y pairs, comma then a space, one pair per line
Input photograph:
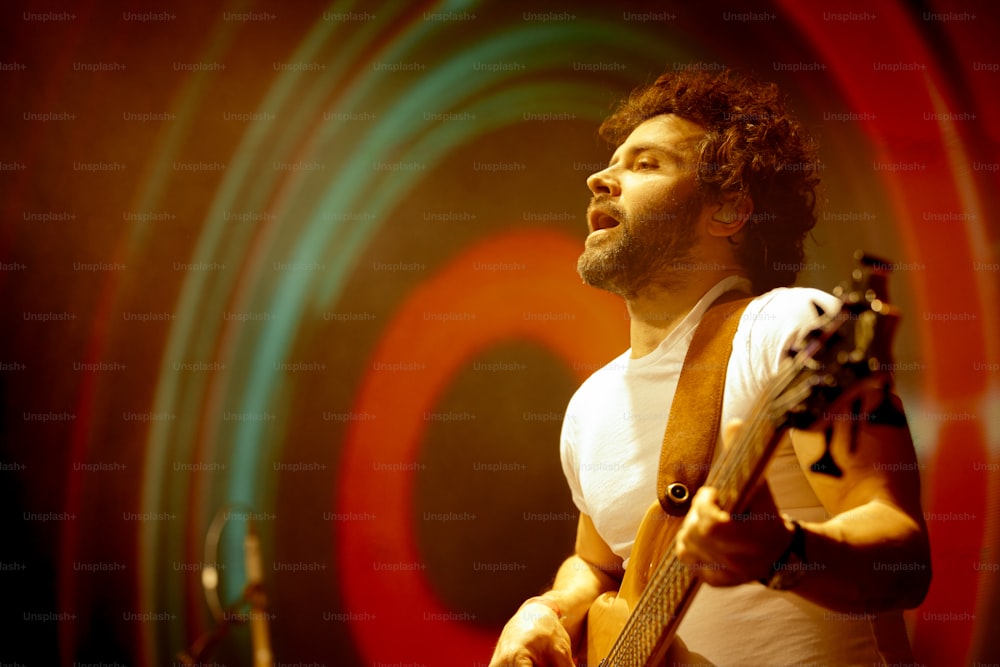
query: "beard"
651, 248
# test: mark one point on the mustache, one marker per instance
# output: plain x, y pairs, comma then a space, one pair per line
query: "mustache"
605, 204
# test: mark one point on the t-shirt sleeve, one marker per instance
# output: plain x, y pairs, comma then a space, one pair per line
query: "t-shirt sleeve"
567, 454
777, 321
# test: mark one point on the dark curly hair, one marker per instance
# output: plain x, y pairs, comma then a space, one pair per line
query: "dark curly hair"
752, 145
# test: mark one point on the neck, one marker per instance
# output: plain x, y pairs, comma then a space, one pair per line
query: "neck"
655, 312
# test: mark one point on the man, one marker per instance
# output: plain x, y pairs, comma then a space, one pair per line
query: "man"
712, 188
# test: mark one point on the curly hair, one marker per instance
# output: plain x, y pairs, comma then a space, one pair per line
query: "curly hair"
752, 145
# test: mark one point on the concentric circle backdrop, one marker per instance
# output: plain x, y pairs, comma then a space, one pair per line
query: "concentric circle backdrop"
319, 261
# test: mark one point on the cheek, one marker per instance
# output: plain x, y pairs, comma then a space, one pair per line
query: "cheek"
660, 190
663, 203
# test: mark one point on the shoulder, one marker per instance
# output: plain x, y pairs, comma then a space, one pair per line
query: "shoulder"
774, 321
787, 311
609, 373
787, 306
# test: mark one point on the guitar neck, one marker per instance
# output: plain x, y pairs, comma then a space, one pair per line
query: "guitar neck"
652, 624
744, 462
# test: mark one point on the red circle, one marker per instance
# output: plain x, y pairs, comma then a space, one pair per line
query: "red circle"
514, 286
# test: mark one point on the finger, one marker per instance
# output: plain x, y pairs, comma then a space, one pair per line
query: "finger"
704, 559
692, 540
563, 658
561, 652
703, 555
519, 660
698, 544
706, 509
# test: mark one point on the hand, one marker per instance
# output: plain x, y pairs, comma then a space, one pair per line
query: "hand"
727, 550
533, 637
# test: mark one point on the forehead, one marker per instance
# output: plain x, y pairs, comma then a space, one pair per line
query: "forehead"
666, 131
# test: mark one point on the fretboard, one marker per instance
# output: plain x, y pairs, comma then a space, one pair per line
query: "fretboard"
672, 586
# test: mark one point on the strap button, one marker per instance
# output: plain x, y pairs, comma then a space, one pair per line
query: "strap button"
678, 492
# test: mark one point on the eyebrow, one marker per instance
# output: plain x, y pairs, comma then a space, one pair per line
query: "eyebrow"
651, 148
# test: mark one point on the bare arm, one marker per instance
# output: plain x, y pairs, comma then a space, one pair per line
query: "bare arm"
537, 634
872, 554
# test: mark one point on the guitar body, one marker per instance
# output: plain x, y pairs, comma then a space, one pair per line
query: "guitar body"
610, 612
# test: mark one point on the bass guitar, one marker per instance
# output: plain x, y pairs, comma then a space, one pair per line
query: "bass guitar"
634, 627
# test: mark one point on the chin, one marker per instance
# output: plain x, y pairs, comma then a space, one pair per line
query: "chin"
604, 280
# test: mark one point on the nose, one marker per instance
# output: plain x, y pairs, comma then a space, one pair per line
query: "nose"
603, 182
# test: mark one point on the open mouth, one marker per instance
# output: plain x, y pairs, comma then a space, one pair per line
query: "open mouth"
599, 220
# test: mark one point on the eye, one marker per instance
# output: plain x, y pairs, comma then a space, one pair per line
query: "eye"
645, 163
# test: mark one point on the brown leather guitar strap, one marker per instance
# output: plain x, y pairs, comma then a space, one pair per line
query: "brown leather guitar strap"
693, 425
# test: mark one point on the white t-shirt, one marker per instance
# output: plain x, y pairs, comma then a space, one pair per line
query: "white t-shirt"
610, 447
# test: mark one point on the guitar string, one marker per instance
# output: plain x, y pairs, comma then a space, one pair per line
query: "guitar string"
679, 581
734, 471
677, 576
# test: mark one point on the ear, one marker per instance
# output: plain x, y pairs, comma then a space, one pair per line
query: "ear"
733, 212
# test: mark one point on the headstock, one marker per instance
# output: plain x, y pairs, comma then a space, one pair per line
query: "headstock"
845, 348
